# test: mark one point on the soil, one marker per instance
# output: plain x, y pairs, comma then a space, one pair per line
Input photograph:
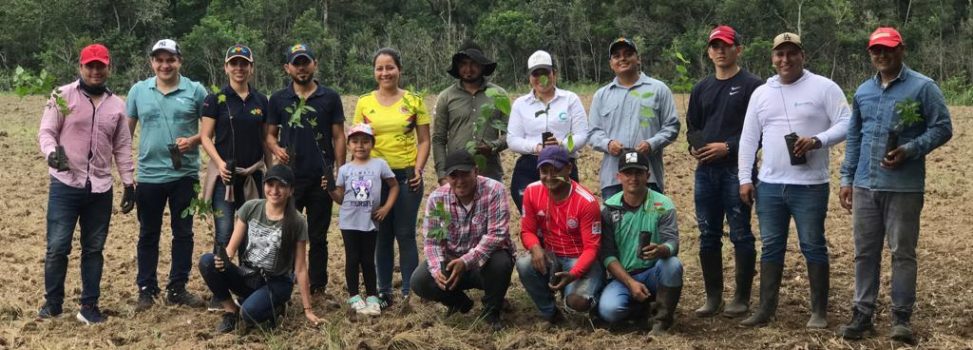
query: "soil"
943, 313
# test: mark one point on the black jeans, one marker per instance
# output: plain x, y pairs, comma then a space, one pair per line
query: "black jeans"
360, 256
257, 303
309, 194
493, 278
151, 201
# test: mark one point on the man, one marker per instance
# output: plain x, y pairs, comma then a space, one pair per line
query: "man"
309, 121
633, 111
811, 112
561, 225
458, 108
717, 106
886, 200
168, 106
80, 147
474, 249
640, 266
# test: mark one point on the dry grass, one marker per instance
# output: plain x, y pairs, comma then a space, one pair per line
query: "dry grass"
943, 320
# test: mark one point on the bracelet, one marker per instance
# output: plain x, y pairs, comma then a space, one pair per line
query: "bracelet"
306, 308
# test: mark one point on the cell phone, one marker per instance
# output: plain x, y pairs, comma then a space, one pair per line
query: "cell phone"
790, 140
443, 267
329, 175
221, 252
645, 239
175, 156
546, 135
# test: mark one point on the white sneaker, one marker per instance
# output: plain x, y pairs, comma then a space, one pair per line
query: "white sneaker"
373, 306
356, 303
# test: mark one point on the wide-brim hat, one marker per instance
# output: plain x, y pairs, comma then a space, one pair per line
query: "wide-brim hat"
477, 56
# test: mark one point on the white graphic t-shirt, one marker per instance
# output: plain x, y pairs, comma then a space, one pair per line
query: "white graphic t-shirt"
264, 239
363, 193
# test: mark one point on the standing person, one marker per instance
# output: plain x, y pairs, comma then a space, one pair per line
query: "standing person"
886, 200
473, 249
811, 112
638, 248
168, 106
401, 125
272, 237
358, 191
545, 111
561, 225
458, 108
717, 107
313, 145
92, 134
633, 111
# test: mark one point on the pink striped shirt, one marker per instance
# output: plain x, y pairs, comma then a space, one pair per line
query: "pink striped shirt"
92, 136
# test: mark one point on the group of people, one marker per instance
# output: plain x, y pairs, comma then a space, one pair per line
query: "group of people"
615, 258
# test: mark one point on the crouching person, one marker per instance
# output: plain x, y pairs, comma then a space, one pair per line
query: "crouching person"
271, 236
639, 244
467, 243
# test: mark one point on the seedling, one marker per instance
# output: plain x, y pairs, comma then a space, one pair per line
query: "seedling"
492, 114
443, 219
908, 111
297, 110
26, 83
200, 207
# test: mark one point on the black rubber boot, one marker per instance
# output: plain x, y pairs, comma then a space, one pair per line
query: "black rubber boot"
860, 325
665, 313
712, 266
744, 278
770, 275
818, 277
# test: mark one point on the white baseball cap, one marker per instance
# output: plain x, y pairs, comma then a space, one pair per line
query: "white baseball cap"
539, 59
167, 45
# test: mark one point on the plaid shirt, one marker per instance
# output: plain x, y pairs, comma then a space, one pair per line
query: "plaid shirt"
472, 235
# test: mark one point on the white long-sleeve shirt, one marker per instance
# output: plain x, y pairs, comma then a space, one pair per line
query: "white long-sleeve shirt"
811, 106
566, 114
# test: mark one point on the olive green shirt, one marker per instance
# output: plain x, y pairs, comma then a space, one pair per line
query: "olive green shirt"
456, 111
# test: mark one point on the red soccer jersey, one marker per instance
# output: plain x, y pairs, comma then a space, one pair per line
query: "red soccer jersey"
569, 228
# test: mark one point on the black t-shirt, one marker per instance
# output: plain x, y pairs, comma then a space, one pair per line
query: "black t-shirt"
309, 158
717, 109
245, 143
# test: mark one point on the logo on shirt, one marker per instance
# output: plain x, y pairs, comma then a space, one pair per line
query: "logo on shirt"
362, 187
563, 116
805, 103
596, 228
541, 213
734, 90
572, 223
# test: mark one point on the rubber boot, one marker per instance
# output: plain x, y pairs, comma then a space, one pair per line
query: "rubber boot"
665, 312
744, 278
818, 277
712, 266
770, 275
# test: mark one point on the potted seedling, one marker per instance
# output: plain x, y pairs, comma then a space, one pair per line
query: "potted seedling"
440, 230
230, 161
908, 111
25, 84
297, 110
491, 115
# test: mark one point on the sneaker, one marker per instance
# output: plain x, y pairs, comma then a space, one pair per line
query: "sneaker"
145, 301
385, 300
49, 311
90, 314
356, 303
373, 306
214, 305
184, 297
229, 322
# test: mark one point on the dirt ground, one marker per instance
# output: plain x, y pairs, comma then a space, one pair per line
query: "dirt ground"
943, 315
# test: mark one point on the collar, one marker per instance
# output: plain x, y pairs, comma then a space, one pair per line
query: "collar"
459, 86
477, 194
531, 98
617, 202
228, 91
184, 84
77, 86
903, 76
289, 91
643, 80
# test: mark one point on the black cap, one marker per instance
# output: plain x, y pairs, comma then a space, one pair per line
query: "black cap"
633, 160
299, 50
474, 53
280, 173
622, 41
461, 160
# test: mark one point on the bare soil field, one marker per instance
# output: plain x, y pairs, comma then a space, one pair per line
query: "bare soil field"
943, 318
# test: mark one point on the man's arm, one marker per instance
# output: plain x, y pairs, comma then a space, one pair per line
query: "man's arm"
50, 129
122, 150
607, 250
749, 139
338, 132
939, 126
590, 227
852, 147
668, 228
670, 122
839, 113
597, 126
528, 221
440, 131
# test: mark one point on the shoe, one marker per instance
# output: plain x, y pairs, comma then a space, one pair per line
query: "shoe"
712, 266
214, 305
818, 278
385, 300
770, 275
90, 314
49, 311
860, 325
554, 320
666, 304
373, 306
744, 278
901, 330
356, 303
492, 319
229, 322
184, 297
462, 305
145, 301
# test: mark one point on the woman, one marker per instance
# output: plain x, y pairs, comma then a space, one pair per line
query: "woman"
545, 111
274, 235
401, 125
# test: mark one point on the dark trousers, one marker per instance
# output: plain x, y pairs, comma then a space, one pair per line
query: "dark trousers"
309, 194
493, 278
360, 256
151, 200
66, 207
717, 194
525, 173
259, 302
399, 227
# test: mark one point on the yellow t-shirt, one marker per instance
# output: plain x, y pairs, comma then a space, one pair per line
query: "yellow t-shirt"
394, 127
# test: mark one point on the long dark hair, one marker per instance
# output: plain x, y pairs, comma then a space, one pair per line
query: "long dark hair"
289, 227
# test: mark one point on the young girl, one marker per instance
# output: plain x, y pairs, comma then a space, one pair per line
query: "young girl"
358, 190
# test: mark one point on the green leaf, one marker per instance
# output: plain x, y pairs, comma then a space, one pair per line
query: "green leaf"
186, 212
214, 89
570, 142
498, 124
503, 104
646, 112
544, 80
634, 93
481, 161
647, 94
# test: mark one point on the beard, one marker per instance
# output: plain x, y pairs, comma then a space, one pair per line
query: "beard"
305, 81
477, 80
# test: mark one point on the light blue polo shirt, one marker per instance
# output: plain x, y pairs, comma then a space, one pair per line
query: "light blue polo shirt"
163, 119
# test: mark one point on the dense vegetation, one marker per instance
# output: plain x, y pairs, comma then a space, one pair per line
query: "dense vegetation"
48, 35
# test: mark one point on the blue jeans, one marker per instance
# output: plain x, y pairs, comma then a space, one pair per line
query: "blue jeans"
717, 194
808, 205
224, 223
609, 191
66, 206
256, 304
616, 300
526, 173
535, 283
151, 201
399, 226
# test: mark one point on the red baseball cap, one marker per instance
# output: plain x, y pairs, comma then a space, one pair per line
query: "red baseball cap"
885, 36
95, 52
724, 33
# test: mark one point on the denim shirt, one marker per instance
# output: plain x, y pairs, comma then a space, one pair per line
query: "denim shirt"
874, 116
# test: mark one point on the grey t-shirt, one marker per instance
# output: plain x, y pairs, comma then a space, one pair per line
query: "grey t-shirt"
363, 193
265, 249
